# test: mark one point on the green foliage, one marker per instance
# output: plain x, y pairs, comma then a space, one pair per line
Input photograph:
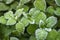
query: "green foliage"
57, 2
41, 4
13, 38
41, 34
29, 19
3, 7
3, 20
57, 11
51, 21
51, 34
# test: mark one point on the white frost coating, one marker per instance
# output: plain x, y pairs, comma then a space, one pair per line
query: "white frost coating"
32, 22
51, 21
41, 34
57, 2
41, 23
48, 29
25, 15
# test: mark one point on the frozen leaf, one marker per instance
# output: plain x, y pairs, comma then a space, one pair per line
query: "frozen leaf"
9, 15
51, 21
57, 11
18, 13
8, 1
33, 12
13, 38
11, 22
40, 16
37, 15
3, 7
25, 21
57, 2
41, 34
20, 27
3, 20
40, 4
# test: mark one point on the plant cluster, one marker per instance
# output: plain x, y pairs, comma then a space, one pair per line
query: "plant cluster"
29, 19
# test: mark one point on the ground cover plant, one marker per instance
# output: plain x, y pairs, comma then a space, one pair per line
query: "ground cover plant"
29, 19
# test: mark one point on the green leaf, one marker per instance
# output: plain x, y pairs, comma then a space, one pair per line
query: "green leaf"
3, 7
31, 28
40, 16
24, 21
50, 10
14, 5
57, 11
24, 1
18, 13
41, 24
8, 1
20, 27
32, 38
9, 15
6, 31
41, 34
37, 15
51, 21
57, 2
40, 4
11, 22
52, 35
3, 20
14, 38
58, 36
26, 8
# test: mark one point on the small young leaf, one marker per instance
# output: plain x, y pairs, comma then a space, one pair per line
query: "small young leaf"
11, 22
3, 20
40, 4
51, 21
